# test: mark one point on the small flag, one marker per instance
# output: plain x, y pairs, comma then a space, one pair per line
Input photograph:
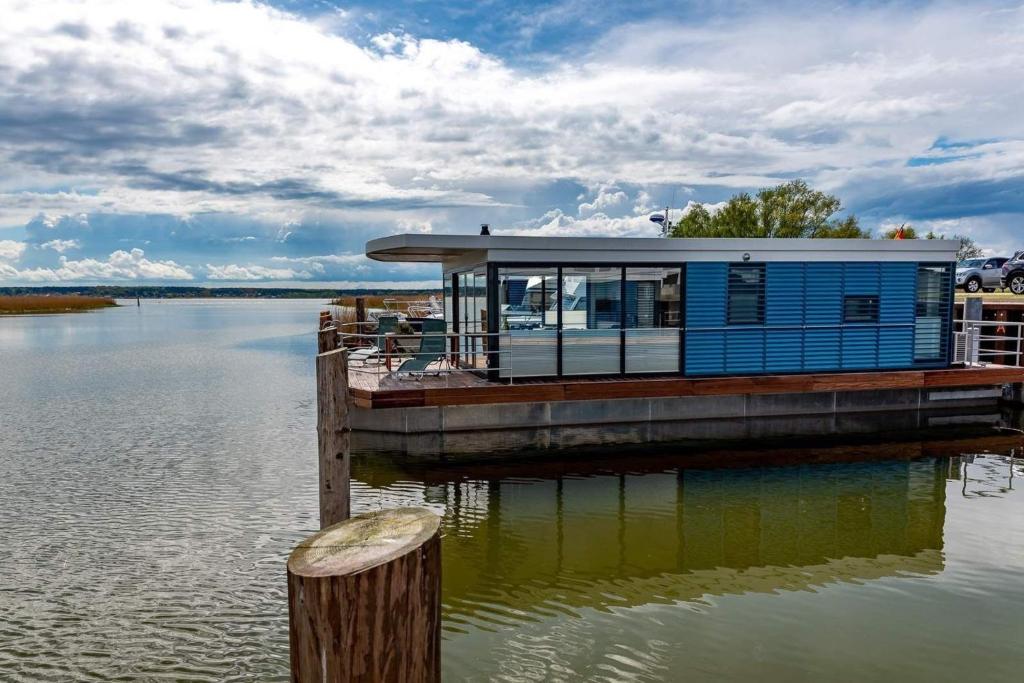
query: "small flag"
899, 233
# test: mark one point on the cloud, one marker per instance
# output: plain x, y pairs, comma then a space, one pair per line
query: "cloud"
607, 198
268, 112
558, 224
252, 273
120, 265
197, 124
11, 250
60, 246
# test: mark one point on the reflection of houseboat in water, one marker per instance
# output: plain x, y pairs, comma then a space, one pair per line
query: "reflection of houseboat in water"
628, 537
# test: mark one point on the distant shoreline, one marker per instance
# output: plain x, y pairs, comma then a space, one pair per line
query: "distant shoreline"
157, 292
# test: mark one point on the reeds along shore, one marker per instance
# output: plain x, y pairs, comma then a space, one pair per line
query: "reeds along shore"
14, 305
377, 300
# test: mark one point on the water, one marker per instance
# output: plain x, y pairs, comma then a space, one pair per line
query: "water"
158, 464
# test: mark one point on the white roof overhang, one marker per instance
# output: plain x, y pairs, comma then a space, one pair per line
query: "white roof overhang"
420, 248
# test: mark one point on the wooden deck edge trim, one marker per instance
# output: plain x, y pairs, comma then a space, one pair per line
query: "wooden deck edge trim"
675, 387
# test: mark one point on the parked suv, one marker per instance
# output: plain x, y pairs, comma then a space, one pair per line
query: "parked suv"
1013, 274
976, 274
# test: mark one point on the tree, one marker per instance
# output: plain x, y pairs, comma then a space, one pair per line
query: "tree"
968, 249
792, 209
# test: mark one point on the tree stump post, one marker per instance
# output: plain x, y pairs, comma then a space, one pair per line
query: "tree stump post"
333, 433
364, 600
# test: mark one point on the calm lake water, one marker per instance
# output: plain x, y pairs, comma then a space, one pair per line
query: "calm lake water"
158, 464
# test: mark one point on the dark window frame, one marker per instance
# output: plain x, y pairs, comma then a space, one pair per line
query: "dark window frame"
493, 294
867, 312
736, 284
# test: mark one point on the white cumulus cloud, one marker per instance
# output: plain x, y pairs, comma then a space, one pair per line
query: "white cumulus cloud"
252, 273
60, 246
120, 265
11, 250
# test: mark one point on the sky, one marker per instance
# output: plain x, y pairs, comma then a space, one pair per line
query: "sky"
200, 142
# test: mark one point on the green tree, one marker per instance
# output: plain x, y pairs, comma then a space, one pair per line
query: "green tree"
696, 223
792, 209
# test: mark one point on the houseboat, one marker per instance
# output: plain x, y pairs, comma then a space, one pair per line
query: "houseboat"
589, 341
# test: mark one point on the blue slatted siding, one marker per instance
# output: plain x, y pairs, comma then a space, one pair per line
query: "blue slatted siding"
744, 351
784, 307
860, 341
896, 307
804, 329
822, 315
706, 293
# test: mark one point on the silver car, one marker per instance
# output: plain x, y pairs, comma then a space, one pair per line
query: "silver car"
977, 274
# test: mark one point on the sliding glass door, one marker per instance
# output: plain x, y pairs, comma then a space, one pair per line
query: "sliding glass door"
653, 318
591, 310
528, 321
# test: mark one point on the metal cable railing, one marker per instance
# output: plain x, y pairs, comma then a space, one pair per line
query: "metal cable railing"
988, 342
459, 359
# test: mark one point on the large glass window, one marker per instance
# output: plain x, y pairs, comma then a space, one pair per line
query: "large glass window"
591, 320
653, 313
528, 321
746, 294
931, 323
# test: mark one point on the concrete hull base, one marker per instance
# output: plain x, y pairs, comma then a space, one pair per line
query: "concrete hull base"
502, 430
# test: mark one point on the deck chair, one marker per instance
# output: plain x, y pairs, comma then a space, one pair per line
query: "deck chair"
433, 347
386, 324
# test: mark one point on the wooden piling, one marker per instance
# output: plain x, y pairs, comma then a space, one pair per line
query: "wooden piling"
360, 313
333, 431
364, 600
327, 339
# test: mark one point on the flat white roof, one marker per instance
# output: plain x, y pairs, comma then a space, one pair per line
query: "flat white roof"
458, 249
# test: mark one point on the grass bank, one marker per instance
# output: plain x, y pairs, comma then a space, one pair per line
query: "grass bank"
17, 305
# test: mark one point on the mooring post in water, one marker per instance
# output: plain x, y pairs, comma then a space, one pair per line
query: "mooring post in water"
327, 338
364, 600
325, 320
333, 429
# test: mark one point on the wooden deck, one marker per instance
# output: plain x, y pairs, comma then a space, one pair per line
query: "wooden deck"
383, 390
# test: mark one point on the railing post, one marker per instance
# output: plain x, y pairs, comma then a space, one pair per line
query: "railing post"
364, 600
333, 433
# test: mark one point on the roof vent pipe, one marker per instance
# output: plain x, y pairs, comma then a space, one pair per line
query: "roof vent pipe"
485, 229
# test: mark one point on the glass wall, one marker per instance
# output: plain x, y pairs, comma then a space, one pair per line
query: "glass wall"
448, 302
528, 321
653, 317
931, 322
472, 303
591, 310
